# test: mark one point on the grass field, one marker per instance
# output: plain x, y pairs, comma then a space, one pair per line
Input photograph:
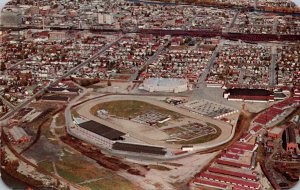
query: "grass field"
74, 113
78, 170
130, 108
203, 139
47, 165
112, 183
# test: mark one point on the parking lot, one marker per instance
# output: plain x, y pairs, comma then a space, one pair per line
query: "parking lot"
190, 131
151, 117
209, 108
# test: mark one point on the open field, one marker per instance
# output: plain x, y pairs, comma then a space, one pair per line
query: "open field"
47, 165
78, 170
159, 167
130, 108
111, 184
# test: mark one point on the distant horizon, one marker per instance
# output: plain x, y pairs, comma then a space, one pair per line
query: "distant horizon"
3, 2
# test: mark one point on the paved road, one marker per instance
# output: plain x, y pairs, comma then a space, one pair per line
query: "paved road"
275, 24
68, 115
10, 105
206, 71
272, 71
57, 80
228, 28
241, 76
255, 4
19, 63
149, 61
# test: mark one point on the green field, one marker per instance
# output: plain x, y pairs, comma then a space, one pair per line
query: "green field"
130, 108
47, 165
111, 183
78, 170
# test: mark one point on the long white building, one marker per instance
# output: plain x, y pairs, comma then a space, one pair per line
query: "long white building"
165, 85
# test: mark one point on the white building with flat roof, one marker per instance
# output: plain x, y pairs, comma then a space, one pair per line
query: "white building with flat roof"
165, 85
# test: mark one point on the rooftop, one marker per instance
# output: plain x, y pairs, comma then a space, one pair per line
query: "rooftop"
101, 130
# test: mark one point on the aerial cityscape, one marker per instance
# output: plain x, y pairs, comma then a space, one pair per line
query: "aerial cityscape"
150, 95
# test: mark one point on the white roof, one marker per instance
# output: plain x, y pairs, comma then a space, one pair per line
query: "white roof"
167, 82
276, 130
17, 133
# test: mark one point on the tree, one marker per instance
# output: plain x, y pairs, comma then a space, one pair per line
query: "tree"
108, 82
2, 67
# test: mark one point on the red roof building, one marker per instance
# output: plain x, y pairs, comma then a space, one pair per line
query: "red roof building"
233, 164
236, 187
236, 151
255, 129
214, 184
230, 156
232, 173
239, 182
246, 137
244, 146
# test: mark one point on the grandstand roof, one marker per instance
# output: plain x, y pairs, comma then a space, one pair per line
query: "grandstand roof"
138, 148
101, 130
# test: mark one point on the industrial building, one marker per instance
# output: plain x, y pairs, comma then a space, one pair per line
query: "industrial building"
248, 95
63, 99
276, 132
291, 142
19, 135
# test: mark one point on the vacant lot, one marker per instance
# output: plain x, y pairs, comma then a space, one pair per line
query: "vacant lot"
159, 167
78, 170
131, 108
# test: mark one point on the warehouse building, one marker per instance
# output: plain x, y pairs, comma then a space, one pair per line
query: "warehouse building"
19, 135
249, 95
276, 132
59, 90
62, 99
